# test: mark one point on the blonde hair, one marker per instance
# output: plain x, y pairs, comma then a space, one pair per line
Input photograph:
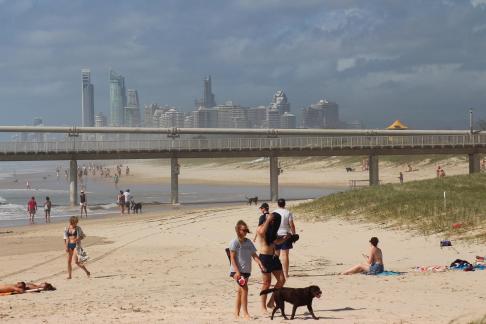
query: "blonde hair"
241, 223
73, 220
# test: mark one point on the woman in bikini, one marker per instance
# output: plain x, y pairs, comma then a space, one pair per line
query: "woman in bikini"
73, 234
374, 262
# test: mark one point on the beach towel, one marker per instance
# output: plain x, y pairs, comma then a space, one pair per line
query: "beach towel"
387, 273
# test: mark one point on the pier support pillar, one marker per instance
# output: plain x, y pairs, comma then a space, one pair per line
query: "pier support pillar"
373, 170
274, 171
474, 163
174, 180
73, 182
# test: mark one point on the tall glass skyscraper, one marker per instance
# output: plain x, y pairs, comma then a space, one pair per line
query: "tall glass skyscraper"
118, 99
208, 95
87, 99
132, 109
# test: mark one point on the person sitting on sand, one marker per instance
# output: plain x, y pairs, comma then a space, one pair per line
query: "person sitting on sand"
374, 262
17, 288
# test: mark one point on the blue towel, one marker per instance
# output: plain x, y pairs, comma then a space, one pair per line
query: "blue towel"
390, 273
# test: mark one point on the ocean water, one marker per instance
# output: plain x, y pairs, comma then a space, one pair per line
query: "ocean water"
102, 194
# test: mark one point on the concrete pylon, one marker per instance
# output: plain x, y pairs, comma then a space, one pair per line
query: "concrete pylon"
73, 182
174, 180
274, 171
373, 170
474, 163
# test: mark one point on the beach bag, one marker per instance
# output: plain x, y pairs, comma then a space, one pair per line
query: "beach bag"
82, 254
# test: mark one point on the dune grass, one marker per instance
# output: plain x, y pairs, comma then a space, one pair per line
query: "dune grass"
417, 205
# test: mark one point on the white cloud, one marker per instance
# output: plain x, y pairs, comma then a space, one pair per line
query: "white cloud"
345, 63
478, 3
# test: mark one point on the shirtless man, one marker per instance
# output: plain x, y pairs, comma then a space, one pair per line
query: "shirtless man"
17, 288
270, 261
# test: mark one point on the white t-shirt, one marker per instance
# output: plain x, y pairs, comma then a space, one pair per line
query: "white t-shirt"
285, 222
128, 196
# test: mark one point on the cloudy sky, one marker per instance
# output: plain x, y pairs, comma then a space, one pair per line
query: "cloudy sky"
421, 61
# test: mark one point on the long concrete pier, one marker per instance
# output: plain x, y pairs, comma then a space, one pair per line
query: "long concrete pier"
177, 143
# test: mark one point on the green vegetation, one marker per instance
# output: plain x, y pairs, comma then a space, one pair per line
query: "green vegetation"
417, 205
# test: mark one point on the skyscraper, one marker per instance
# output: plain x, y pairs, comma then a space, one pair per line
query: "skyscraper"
87, 99
280, 102
132, 109
118, 99
208, 96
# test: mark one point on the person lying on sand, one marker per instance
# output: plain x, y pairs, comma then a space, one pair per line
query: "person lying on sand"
374, 262
44, 286
17, 288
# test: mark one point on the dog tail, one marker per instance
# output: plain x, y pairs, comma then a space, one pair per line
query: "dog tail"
267, 291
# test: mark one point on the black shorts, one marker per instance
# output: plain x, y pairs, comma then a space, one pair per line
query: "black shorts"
243, 274
286, 245
270, 262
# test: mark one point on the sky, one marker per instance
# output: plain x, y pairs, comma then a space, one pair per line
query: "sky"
420, 61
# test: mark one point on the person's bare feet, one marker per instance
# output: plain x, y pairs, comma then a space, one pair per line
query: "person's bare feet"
68, 278
246, 316
88, 273
265, 312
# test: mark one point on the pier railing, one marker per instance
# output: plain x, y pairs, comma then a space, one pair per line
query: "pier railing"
79, 145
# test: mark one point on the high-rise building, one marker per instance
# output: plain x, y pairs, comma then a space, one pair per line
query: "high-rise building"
148, 114
323, 114
100, 120
280, 102
132, 109
172, 118
257, 116
208, 96
118, 99
205, 118
87, 99
37, 121
37, 137
288, 120
273, 118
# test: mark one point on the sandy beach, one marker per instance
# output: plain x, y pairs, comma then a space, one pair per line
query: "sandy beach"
171, 267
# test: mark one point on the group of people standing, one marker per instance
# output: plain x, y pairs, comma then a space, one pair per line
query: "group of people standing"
274, 237
32, 207
123, 200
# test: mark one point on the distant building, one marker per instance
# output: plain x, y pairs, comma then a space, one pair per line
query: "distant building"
208, 95
205, 118
323, 114
188, 121
257, 116
118, 99
280, 102
132, 109
37, 137
273, 118
231, 115
288, 120
87, 99
100, 120
148, 114
172, 118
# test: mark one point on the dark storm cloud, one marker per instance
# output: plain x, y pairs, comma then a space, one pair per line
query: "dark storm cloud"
420, 60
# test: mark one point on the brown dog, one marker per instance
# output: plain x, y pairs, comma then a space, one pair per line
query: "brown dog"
252, 200
295, 296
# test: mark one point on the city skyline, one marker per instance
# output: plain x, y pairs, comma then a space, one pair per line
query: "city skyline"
421, 62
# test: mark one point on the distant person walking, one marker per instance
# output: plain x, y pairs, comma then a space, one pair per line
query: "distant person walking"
400, 177
73, 234
31, 209
27, 185
127, 171
47, 209
128, 199
120, 199
438, 172
83, 202
287, 226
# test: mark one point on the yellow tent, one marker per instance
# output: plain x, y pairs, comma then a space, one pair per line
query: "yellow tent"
397, 124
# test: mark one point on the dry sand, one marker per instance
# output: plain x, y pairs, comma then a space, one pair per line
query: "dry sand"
171, 267
328, 172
